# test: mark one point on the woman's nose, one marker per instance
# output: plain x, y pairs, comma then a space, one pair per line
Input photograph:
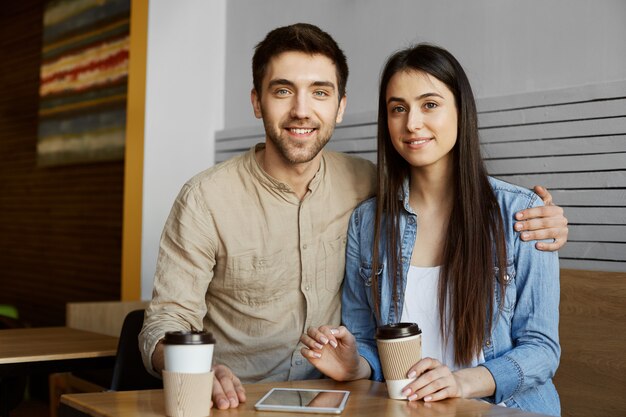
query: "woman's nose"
415, 121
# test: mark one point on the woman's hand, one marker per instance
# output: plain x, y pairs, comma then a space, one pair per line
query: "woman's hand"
334, 352
436, 382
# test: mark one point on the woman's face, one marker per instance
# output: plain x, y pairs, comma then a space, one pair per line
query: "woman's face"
422, 119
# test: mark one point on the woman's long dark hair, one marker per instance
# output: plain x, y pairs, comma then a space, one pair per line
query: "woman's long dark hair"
474, 236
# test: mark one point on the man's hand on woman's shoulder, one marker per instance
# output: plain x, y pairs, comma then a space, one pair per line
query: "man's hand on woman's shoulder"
546, 222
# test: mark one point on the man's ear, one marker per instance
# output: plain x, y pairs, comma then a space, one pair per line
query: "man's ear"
341, 109
256, 103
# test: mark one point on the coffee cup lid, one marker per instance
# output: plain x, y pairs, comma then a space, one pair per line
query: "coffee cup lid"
397, 330
192, 337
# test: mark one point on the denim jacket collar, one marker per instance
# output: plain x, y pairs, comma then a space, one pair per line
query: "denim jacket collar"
404, 195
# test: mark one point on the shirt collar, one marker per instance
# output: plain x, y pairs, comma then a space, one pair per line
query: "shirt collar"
275, 185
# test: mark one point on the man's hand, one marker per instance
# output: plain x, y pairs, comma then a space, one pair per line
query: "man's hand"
547, 222
227, 389
158, 357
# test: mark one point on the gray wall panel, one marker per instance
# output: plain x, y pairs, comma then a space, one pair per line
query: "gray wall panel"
572, 141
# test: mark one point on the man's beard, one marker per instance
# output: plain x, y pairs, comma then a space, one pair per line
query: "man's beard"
298, 152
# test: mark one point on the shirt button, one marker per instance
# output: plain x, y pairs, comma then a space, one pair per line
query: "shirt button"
488, 342
298, 362
307, 288
304, 246
411, 220
403, 260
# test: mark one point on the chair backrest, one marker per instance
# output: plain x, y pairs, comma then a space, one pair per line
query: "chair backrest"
104, 317
129, 372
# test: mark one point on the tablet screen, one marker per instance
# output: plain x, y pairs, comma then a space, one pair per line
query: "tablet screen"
304, 400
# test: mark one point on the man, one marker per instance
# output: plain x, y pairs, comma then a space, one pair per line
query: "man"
253, 250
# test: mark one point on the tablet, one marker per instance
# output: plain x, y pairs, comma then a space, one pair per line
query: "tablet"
303, 400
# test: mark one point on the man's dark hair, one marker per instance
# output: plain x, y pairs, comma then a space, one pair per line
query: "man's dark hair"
299, 37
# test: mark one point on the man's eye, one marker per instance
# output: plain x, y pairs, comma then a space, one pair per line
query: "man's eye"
320, 93
282, 92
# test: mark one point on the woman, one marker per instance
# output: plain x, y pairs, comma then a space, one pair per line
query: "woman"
444, 254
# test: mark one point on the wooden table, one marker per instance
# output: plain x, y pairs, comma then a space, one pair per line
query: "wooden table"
51, 349
367, 399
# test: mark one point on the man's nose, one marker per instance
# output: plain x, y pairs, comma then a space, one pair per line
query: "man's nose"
301, 108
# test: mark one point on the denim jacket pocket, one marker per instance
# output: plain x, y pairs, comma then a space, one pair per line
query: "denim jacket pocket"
365, 272
510, 290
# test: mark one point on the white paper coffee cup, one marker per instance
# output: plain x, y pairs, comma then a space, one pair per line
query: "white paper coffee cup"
188, 352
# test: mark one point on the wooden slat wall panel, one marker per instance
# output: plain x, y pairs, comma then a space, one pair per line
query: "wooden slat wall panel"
600, 109
555, 130
60, 228
605, 180
588, 145
572, 141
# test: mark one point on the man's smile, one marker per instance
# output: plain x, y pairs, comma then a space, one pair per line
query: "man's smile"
300, 130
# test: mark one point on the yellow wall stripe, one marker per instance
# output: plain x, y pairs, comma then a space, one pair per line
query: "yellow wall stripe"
118, 98
133, 163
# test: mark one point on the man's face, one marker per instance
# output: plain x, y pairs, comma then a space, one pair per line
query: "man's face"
299, 105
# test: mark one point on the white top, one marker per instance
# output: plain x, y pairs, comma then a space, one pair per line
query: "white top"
421, 307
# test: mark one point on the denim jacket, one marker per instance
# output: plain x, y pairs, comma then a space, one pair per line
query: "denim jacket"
521, 349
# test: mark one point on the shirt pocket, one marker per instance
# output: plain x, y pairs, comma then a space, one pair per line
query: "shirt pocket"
334, 261
257, 279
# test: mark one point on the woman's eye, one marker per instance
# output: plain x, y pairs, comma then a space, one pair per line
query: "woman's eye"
430, 105
397, 109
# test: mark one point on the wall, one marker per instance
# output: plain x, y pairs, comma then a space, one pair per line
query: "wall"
60, 228
506, 46
184, 107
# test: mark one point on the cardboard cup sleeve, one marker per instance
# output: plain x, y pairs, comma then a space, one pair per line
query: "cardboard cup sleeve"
187, 395
398, 355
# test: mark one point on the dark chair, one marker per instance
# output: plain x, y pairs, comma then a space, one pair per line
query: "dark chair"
129, 373
15, 386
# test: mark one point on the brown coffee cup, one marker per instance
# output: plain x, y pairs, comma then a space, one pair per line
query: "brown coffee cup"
399, 348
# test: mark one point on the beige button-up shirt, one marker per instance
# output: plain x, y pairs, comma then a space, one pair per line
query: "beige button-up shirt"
242, 257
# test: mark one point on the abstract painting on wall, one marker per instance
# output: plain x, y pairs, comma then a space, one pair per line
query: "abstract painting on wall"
83, 83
